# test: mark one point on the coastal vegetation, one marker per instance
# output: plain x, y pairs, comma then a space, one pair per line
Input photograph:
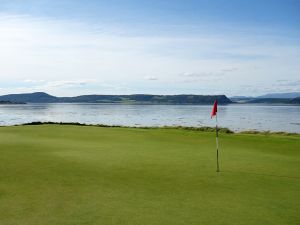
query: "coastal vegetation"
9, 102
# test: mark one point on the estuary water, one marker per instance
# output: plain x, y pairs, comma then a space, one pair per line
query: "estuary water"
237, 117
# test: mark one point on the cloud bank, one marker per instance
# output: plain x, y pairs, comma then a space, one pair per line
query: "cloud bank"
67, 57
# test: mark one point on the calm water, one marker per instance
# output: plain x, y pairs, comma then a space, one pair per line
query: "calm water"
236, 117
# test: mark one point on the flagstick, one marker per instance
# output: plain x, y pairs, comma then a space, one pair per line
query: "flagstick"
217, 142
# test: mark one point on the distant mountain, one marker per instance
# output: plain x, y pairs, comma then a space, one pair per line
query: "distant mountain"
276, 98
281, 95
41, 97
296, 100
37, 97
241, 99
9, 103
149, 99
271, 100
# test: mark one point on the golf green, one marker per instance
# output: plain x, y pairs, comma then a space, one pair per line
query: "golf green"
69, 175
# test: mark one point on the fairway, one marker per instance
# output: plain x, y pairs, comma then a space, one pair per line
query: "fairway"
69, 175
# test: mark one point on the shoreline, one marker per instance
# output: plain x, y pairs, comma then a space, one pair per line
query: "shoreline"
203, 129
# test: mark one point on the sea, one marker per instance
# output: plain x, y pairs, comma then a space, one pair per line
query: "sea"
237, 117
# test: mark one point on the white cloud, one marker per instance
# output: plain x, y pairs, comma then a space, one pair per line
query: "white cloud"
54, 87
67, 83
33, 81
151, 78
214, 76
288, 83
229, 70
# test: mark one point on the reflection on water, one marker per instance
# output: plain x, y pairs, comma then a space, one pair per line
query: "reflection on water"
236, 117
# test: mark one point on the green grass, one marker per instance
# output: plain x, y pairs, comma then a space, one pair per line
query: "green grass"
68, 175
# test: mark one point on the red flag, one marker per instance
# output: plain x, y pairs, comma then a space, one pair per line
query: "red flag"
214, 109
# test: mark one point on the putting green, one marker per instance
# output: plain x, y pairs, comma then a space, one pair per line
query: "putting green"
67, 175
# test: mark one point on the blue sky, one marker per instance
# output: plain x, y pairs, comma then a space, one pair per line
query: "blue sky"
230, 47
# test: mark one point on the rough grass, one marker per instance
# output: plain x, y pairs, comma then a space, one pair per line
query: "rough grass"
66, 174
203, 128
210, 129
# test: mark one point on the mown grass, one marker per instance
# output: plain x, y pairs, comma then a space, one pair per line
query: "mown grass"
66, 174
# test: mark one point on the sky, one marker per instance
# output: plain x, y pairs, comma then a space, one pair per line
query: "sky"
77, 47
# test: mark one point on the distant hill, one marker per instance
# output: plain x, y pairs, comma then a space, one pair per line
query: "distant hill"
296, 100
281, 95
37, 97
241, 99
41, 97
9, 103
271, 100
276, 98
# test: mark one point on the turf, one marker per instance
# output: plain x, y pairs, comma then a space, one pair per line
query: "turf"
69, 175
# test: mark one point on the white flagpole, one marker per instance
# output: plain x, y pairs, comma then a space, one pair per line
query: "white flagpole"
217, 143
